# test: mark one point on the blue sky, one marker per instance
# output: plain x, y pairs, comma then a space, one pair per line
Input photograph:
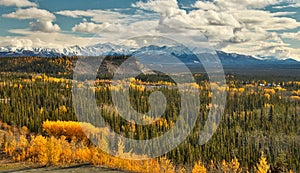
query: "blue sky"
252, 27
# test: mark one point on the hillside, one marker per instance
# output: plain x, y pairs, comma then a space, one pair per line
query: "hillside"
65, 65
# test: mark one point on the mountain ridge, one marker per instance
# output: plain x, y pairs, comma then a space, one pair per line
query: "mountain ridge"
109, 49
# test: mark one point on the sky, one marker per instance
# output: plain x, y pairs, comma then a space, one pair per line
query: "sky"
268, 28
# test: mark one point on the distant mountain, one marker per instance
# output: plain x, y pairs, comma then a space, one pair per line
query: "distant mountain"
183, 53
37, 52
97, 50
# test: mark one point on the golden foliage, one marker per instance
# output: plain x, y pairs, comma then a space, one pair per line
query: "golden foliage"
10, 144
166, 166
295, 98
268, 97
269, 91
69, 129
262, 166
199, 168
241, 90
231, 167
58, 149
296, 92
52, 151
234, 165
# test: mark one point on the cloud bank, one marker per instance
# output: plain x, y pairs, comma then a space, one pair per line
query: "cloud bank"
230, 25
237, 26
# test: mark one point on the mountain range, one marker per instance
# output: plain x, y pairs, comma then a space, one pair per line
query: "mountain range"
183, 53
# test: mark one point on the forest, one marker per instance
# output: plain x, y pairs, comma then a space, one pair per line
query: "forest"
259, 130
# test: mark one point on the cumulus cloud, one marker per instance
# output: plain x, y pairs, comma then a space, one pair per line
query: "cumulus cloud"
228, 23
31, 13
102, 16
165, 7
114, 31
16, 43
18, 3
233, 13
291, 35
90, 27
263, 48
113, 24
245, 4
44, 19
244, 27
45, 26
58, 40
205, 5
96, 15
253, 19
42, 39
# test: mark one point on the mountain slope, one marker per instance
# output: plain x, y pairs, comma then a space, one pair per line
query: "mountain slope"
182, 53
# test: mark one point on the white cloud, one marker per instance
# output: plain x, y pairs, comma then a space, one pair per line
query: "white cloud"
293, 5
265, 20
226, 13
112, 31
60, 41
205, 5
31, 13
96, 15
18, 3
164, 7
16, 43
244, 4
44, 40
291, 35
44, 19
229, 23
113, 24
45, 26
90, 27
102, 16
275, 49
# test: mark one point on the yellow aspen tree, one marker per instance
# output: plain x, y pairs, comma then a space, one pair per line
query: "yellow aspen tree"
53, 151
10, 145
83, 154
166, 165
234, 166
262, 166
199, 168
37, 149
183, 170
225, 167
24, 130
22, 147
66, 151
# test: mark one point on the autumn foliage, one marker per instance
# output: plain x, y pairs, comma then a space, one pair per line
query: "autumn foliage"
199, 168
262, 166
69, 129
62, 147
56, 149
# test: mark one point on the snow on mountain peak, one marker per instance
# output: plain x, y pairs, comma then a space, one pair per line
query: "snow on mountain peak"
112, 49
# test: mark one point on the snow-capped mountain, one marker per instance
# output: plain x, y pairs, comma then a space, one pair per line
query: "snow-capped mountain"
97, 50
183, 53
